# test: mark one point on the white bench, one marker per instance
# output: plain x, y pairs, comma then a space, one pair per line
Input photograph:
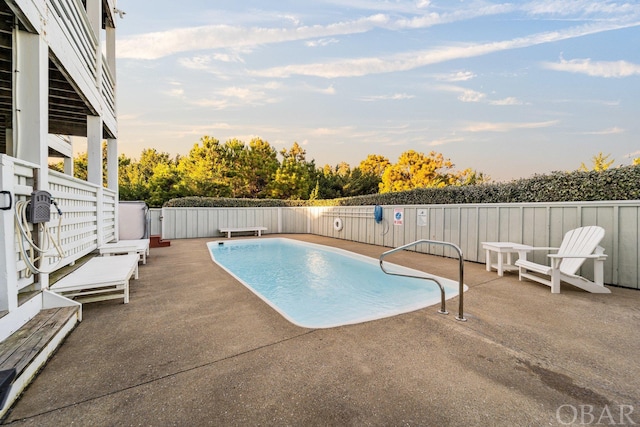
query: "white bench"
258, 230
100, 278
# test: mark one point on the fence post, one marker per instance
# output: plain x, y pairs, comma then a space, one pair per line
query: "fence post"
8, 267
100, 216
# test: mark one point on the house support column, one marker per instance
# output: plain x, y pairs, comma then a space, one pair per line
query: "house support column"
31, 112
94, 168
68, 166
112, 144
112, 164
110, 45
31, 124
94, 150
9, 142
112, 177
8, 270
94, 13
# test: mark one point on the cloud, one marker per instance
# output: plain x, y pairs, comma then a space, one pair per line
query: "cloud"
430, 19
611, 131
200, 62
393, 97
235, 96
321, 42
330, 131
163, 43
464, 94
470, 95
606, 69
205, 63
387, 6
222, 126
272, 85
329, 90
606, 103
507, 127
176, 91
293, 19
410, 60
243, 93
127, 117
443, 141
216, 104
458, 76
580, 8
507, 101
389, 15
227, 57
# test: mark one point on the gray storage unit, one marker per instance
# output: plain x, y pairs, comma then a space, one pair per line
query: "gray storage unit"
133, 221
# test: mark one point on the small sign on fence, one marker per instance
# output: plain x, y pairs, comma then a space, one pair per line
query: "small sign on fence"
398, 216
422, 218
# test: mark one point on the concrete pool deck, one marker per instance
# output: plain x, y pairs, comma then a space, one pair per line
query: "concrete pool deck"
195, 347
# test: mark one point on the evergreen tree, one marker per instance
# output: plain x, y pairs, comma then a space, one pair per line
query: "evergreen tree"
261, 164
292, 179
203, 172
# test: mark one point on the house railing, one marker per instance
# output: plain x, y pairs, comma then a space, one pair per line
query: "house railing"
108, 231
88, 219
70, 36
108, 92
70, 27
88, 215
16, 177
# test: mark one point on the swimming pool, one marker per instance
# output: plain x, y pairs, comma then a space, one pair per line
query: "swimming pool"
316, 286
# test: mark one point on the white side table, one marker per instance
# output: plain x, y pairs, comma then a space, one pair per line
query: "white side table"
502, 248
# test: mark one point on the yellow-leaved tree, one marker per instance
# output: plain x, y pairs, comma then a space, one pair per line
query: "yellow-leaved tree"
600, 163
417, 170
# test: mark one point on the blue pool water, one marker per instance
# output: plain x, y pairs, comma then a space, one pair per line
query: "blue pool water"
317, 286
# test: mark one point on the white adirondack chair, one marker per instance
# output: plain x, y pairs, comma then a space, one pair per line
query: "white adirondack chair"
577, 245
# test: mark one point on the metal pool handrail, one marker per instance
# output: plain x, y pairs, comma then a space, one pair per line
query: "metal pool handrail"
442, 310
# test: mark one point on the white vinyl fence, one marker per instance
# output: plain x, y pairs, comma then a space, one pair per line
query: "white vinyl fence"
536, 224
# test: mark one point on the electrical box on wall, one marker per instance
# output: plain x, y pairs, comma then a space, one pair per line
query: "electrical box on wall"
39, 208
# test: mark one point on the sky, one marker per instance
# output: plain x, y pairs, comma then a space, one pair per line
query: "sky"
507, 89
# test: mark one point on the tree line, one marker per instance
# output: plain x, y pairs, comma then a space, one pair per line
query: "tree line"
257, 170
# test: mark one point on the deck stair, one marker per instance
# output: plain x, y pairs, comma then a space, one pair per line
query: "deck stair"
28, 349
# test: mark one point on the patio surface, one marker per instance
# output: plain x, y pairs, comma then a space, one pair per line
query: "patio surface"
195, 347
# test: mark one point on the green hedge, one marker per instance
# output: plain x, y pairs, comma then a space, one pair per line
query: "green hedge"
621, 183
223, 202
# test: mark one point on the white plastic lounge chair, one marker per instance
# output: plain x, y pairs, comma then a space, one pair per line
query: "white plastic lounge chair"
141, 247
101, 278
577, 245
